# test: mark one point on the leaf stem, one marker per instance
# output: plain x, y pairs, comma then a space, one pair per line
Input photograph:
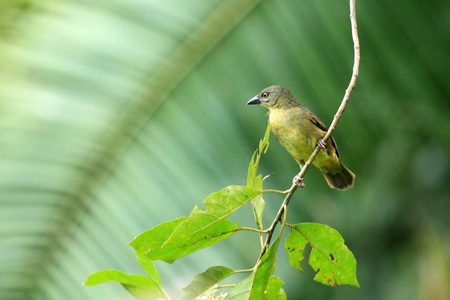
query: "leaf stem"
243, 271
250, 229
224, 286
275, 191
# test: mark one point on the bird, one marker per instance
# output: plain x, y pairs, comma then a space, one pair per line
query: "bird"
299, 131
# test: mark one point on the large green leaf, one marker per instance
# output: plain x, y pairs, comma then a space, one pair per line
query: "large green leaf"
139, 286
330, 257
241, 290
263, 273
204, 281
173, 240
274, 290
149, 243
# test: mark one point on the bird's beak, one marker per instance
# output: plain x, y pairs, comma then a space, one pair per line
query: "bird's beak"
254, 100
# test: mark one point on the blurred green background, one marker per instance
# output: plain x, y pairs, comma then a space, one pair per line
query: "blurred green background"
116, 116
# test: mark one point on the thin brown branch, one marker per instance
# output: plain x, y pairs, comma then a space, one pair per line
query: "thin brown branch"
336, 118
272, 227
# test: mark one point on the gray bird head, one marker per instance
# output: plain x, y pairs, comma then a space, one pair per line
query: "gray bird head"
274, 96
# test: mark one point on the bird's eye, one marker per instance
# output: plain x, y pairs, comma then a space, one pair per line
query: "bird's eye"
265, 95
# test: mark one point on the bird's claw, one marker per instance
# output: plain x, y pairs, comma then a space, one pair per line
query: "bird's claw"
298, 181
322, 145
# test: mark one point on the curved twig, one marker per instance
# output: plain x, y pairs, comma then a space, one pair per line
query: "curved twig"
337, 116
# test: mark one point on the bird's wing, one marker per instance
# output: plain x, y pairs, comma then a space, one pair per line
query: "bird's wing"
316, 121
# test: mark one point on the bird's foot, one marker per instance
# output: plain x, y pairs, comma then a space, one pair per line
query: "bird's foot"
322, 145
298, 181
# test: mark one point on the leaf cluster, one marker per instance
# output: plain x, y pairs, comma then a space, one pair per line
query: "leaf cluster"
330, 258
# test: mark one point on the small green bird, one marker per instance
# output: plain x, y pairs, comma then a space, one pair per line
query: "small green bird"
298, 130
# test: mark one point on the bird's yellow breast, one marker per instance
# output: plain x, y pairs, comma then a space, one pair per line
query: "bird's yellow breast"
294, 131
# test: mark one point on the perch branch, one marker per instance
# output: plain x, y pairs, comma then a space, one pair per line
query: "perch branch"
336, 118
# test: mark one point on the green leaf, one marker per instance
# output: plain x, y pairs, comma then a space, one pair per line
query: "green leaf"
221, 204
169, 251
202, 282
330, 257
252, 169
150, 242
264, 143
254, 162
139, 286
264, 271
211, 224
241, 290
274, 290
256, 182
256, 285
173, 240
149, 267
258, 203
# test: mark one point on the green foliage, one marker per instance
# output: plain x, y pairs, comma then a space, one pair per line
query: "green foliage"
274, 290
173, 240
139, 286
155, 238
256, 181
204, 281
242, 290
263, 272
330, 258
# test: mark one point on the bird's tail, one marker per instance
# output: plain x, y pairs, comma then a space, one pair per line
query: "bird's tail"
342, 180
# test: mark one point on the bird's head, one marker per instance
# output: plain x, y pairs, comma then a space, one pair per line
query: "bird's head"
274, 96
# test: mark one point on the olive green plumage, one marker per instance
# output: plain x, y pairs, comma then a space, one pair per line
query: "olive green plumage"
298, 130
